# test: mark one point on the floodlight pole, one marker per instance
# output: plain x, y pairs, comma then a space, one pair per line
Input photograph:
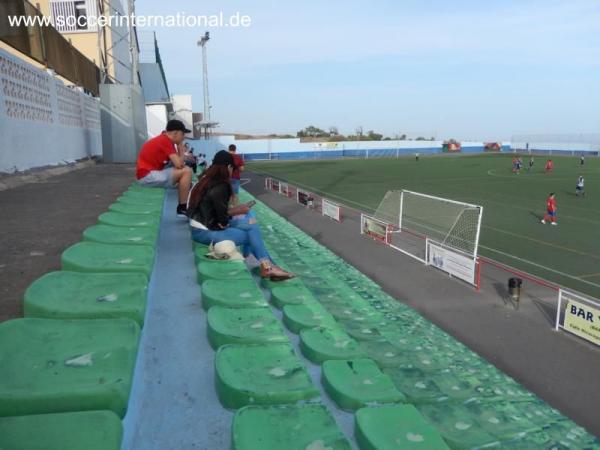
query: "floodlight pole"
202, 43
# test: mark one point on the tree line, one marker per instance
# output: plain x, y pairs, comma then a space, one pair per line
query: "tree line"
333, 135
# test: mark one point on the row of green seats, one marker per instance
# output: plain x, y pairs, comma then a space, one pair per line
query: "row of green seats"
66, 368
259, 374
255, 365
375, 350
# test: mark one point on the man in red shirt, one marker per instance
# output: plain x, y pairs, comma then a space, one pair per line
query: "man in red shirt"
238, 167
154, 156
550, 210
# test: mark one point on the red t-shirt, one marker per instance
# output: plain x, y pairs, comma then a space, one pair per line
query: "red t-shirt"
551, 204
237, 162
154, 155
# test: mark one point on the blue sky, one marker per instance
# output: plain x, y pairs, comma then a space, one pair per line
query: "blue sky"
462, 69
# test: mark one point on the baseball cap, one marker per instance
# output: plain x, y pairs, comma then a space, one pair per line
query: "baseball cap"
177, 125
223, 158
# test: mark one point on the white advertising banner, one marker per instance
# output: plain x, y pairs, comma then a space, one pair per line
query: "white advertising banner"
451, 261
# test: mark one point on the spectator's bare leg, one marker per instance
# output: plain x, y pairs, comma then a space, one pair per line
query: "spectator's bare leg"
183, 179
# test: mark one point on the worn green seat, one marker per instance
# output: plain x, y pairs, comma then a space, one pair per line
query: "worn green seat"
133, 199
321, 344
94, 257
396, 427
146, 190
238, 294
261, 374
290, 295
290, 427
49, 366
354, 384
308, 315
223, 270
136, 209
243, 326
89, 430
79, 295
107, 234
475, 424
128, 220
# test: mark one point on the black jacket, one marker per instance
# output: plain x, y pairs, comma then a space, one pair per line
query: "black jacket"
212, 208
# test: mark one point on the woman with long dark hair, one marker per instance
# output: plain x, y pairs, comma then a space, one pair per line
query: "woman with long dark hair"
209, 212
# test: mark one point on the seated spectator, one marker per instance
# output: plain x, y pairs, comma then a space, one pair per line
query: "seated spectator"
153, 158
202, 162
209, 212
187, 154
238, 168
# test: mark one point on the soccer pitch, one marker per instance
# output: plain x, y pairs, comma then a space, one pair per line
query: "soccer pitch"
513, 204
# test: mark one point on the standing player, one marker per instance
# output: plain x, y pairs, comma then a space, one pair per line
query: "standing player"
582, 161
530, 163
515, 165
549, 166
579, 190
550, 210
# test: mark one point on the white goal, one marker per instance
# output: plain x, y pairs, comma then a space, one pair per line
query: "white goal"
434, 230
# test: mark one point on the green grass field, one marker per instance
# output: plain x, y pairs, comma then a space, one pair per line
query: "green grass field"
568, 254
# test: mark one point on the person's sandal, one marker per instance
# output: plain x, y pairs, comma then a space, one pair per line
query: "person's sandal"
275, 273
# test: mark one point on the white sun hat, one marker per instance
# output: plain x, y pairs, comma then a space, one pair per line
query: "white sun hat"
224, 250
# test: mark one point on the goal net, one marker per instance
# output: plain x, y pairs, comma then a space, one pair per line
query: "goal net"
422, 223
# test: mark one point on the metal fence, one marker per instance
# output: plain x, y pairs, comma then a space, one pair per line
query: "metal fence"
47, 46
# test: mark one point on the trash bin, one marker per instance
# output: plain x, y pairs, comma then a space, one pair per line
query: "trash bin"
514, 288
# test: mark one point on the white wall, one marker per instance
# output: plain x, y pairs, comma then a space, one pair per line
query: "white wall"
43, 122
182, 110
156, 118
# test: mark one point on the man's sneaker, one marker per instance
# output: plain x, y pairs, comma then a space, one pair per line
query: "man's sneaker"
543, 221
182, 211
554, 223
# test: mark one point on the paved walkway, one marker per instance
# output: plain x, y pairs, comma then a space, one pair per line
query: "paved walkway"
41, 219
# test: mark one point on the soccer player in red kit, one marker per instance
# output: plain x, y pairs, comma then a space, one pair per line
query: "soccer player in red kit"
549, 166
550, 210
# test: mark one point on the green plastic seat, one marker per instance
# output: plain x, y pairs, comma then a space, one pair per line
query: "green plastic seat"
287, 427
261, 374
395, 427
133, 199
89, 430
145, 190
266, 283
136, 209
243, 326
321, 344
290, 295
416, 385
354, 384
50, 366
309, 315
94, 257
78, 295
106, 234
475, 424
128, 220
223, 270
385, 354
233, 294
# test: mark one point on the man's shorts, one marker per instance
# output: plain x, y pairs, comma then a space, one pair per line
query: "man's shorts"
235, 185
551, 213
158, 178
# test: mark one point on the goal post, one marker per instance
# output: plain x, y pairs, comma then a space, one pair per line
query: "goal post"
425, 225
